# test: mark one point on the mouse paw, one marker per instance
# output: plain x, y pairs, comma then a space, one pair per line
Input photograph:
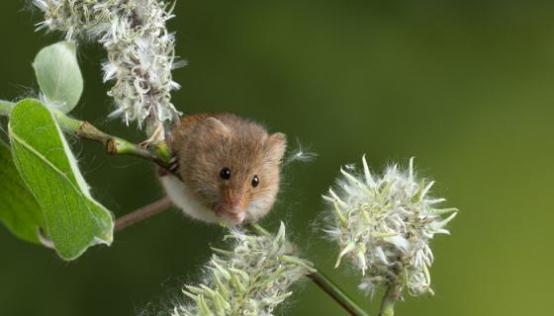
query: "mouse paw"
171, 169
173, 164
156, 137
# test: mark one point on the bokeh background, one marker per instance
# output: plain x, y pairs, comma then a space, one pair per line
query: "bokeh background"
464, 86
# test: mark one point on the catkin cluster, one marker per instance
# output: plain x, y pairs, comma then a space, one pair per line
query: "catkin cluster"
384, 224
251, 279
141, 52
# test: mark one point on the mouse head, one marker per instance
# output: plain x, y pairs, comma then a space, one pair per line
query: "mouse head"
233, 167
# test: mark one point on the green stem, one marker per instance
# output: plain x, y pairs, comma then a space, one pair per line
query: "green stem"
389, 299
114, 145
325, 284
336, 293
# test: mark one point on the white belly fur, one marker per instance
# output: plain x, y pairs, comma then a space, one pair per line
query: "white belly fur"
181, 196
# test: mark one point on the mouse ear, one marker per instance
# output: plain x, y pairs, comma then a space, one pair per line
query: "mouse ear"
276, 145
215, 127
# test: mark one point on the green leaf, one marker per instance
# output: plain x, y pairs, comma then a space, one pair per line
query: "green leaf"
73, 220
18, 208
59, 76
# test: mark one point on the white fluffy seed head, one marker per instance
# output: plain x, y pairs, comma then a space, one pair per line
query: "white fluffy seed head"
251, 279
384, 224
141, 52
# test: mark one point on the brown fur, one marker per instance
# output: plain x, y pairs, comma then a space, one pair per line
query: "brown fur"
204, 144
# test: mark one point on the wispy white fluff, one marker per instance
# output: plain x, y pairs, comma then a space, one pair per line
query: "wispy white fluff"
384, 224
141, 52
251, 279
300, 154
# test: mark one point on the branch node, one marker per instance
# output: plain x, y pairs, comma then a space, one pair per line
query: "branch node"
111, 147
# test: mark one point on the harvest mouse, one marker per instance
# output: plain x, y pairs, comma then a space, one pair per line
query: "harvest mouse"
229, 168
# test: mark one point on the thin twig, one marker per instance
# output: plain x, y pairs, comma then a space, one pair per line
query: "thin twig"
336, 293
389, 299
157, 153
143, 213
114, 145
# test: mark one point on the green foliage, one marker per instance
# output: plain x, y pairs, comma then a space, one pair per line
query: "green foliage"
73, 220
59, 75
18, 209
42, 186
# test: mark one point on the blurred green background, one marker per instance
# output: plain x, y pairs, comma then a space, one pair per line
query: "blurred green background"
464, 86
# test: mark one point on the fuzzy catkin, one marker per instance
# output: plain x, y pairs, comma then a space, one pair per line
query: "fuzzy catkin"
251, 279
141, 52
384, 224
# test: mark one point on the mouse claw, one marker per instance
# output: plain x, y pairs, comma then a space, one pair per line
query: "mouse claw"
173, 164
171, 169
157, 136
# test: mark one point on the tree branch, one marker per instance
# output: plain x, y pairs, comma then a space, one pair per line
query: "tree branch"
114, 145
158, 153
143, 213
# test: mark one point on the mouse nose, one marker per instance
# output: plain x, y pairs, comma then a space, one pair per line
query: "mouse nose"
236, 204
235, 216
232, 206
235, 201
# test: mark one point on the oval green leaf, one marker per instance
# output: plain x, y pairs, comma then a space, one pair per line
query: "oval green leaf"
59, 76
19, 210
73, 220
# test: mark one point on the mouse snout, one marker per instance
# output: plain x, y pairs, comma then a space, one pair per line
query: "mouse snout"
232, 206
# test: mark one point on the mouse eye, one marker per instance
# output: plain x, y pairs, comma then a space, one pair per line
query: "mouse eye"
255, 181
225, 173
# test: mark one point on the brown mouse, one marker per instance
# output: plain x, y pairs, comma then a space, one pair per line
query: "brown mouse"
229, 168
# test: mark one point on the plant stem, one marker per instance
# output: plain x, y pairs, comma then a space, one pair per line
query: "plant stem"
389, 298
114, 145
336, 293
143, 213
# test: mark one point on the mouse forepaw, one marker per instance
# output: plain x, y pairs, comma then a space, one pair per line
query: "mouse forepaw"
171, 169
173, 164
157, 136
